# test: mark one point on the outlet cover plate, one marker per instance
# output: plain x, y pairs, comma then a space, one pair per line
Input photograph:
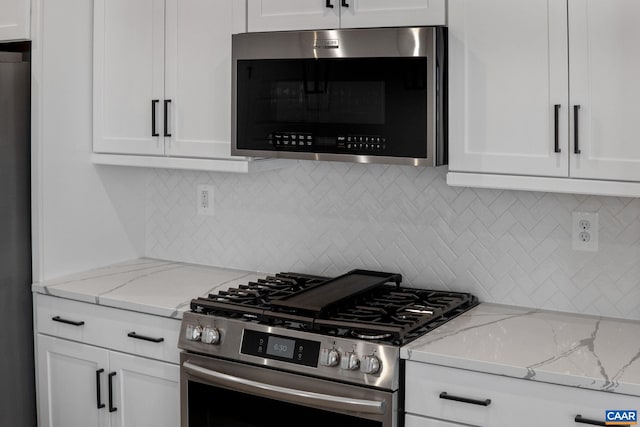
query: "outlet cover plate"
204, 199
584, 231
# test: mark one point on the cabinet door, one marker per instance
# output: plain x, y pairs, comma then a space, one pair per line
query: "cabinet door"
507, 70
198, 76
67, 383
147, 392
14, 19
384, 13
285, 15
128, 76
604, 64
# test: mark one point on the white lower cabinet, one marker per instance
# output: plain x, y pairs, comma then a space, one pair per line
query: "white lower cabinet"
415, 421
84, 377
442, 396
67, 383
147, 392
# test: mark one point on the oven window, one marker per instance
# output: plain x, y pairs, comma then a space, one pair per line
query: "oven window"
327, 98
216, 407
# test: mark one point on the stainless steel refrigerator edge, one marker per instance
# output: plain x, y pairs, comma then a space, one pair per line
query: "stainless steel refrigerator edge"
17, 388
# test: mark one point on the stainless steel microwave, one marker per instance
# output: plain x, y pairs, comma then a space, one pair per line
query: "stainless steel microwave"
358, 95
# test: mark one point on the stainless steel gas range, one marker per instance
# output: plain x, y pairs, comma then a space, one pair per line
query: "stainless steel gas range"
293, 349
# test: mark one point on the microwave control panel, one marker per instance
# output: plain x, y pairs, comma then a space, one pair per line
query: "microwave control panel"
340, 143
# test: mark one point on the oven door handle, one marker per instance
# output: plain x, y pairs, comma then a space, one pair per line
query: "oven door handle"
283, 393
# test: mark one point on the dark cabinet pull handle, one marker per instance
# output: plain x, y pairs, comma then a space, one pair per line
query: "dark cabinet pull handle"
153, 117
98, 397
144, 338
581, 420
68, 322
111, 407
329, 5
446, 396
344, 3
166, 120
576, 147
556, 115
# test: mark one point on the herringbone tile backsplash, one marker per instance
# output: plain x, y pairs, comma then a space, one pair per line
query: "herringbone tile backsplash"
327, 218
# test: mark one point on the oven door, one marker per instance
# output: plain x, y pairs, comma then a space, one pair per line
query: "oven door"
216, 392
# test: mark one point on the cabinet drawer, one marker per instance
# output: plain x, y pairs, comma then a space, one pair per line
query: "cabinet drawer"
511, 400
108, 327
415, 421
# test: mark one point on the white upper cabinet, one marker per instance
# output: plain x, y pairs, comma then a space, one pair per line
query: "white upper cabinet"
198, 78
128, 76
398, 13
507, 71
287, 15
604, 67
15, 16
544, 88
162, 73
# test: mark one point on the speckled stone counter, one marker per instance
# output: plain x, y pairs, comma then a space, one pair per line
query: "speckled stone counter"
163, 288
560, 348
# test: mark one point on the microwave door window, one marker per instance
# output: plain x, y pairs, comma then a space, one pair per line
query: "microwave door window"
325, 99
300, 97
315, 97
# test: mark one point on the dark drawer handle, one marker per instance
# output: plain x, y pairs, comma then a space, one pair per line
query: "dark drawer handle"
68, 322
446, 396
98, 397
581, 420
329, 5
111, 407
144, 338
344, 3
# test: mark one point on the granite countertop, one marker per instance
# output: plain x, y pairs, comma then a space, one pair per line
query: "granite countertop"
569, 349
163, 288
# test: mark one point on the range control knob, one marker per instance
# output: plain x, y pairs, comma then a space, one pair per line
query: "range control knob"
329, 357
370, 365
210, 335
193, 333
349, 361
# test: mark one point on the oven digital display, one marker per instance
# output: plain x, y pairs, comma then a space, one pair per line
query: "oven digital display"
282, 347
269, 346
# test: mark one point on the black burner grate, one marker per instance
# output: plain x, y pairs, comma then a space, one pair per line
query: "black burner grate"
252, 299
386, 313
397, 312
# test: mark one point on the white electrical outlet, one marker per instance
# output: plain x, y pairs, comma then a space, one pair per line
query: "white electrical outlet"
584, 231
205, 199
